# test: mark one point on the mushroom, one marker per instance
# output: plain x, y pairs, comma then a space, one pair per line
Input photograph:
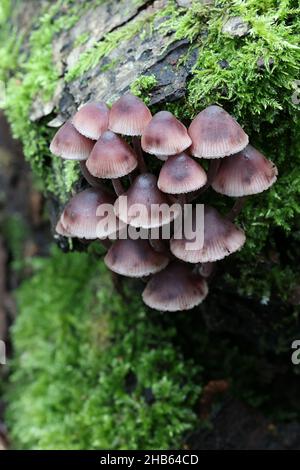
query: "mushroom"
165, 135
221, 238
248, 172
134, 258
181, 174
215, 134
144, 205
60, 230
69, 144
129, 116
80, 217
91, 120
175, 288
111, 157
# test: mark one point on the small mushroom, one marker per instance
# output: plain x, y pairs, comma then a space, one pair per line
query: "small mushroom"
80, 216
175, 288
60, 230
165, 135
129, 116
111, 157
248, 172
91, 120
221, 238
145, 194
181, 174
216, 134
134, 258
69, 144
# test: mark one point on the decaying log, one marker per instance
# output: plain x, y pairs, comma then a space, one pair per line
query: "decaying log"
142, 54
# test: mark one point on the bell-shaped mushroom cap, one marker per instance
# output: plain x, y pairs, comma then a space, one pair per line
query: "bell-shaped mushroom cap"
80, 216
216, 134
144, 194
134, 258
129, 115
221, 238
91, 120
247, 172
165, 135
69, 144
111, 157
61, 230
181, 174
175, 288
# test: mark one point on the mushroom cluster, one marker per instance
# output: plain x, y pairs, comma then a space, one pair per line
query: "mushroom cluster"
116, 144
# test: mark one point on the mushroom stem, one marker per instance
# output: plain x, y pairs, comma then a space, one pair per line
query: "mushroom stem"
207, 270
212, 171
118, 186
136, 140
92, 180
158, 245
182, 199
236, 208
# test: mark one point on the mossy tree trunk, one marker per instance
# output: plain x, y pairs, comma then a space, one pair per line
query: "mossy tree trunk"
180, 55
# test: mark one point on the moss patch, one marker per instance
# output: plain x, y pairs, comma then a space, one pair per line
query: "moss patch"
254, 78
35, 75
142, 86
87, 374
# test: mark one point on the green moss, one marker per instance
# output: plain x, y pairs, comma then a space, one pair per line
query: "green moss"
142, 86
260, 97
35, 75
87, 374
81, 39
15, 232
5, 8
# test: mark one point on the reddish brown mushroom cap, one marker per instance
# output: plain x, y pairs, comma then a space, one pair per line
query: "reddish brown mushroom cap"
165, 135
144, 191
134, 258
91, 120
175, 288
129, 115
248, 172
80, 219
181, 174
111, 157
69, 144
221, 238
61, 230
216, 134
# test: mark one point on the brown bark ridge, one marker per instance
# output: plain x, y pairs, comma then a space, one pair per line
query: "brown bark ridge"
146, 52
